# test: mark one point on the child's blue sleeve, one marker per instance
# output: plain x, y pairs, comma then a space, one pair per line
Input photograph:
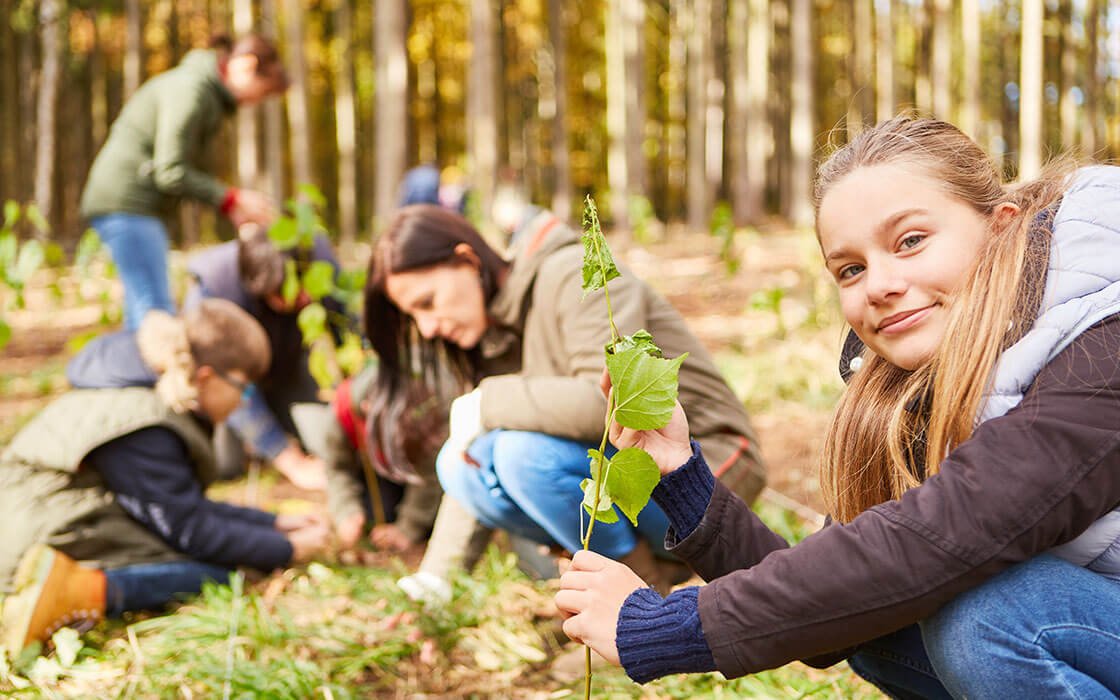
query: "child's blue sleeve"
255, 424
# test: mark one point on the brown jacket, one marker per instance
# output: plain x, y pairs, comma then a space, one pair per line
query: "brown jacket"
544, 355
1025, 482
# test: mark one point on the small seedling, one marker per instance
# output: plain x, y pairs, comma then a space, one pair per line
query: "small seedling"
642, 397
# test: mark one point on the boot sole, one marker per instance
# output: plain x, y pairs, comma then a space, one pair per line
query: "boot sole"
18, 607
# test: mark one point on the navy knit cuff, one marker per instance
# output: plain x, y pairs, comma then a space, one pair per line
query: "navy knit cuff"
684, 495
659, 636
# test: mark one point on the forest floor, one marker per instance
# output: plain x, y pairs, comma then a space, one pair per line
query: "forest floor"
342, 628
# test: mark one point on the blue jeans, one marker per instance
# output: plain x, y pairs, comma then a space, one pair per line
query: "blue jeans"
139, 248
1044, 628
528, 483
151, 586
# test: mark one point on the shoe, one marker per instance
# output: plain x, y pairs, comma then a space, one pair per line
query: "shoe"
51, 591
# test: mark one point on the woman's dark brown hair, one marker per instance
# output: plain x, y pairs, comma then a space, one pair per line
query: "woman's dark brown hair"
420, 236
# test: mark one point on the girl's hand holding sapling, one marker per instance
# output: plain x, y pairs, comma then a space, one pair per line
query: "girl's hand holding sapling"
591, 595
669, 446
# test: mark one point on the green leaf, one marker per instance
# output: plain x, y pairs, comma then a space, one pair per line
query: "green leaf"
55, 254
312, 194
35, 216
318, 280
630, 480
290, 289
312, 322
351, 357
641, 340
67, 644
9, 247
598, 265
5, 333
596, 459
88, 246
284, 233
31, 256
11, 213
606, 513
645, 388
318, 364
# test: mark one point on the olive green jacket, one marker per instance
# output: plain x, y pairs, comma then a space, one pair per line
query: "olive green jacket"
48, 496
156, 147
544, 355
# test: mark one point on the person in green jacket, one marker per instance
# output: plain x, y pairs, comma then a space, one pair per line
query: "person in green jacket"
152, 159
517, 333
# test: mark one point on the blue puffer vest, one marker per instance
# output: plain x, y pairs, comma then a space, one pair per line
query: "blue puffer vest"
1082, 288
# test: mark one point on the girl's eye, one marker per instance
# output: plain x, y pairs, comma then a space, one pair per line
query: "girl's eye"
911, 241
849, 271
425, 304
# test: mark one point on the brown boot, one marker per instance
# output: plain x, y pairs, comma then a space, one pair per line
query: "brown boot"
51, 591
662, 574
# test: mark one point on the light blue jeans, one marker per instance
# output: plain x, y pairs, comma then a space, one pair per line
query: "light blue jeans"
151, 586
139, 248
1042, 629
528, 484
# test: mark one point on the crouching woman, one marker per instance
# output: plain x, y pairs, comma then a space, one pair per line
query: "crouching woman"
103, 491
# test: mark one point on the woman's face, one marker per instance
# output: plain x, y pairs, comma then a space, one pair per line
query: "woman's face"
220, 394
898, 248
446, 301
246, 85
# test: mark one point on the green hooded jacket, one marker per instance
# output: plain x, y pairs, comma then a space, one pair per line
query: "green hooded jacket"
544, 356
155, 150
48, 496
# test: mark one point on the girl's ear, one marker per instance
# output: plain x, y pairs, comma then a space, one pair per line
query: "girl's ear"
466, 253
1004, 214
202, 374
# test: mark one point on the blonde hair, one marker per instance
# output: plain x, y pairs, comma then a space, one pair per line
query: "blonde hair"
893, 427
217, 333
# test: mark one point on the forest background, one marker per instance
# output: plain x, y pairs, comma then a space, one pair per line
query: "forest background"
659, 108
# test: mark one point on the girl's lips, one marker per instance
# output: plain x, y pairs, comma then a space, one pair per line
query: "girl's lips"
905, 320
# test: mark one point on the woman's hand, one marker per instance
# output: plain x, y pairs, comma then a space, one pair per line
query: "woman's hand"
252, 207
389, 538
669, 446
292, 522
303, 470
308, 541
350, 530
591, 595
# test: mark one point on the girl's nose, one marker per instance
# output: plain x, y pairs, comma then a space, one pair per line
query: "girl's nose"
428, 326
884, 281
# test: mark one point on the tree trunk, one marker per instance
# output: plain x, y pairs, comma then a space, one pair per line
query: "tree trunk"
247, 169
618, 176
801, 117
134, 48
923, 86
699, 74
345, 128
299, 123
98, 87
860, 66
1090, 135
561, 163
738, 110
9, 108
715, 92
942, 62
758, 114
970, 75
482, 100
273, 118
884, 61
1030, 90
391, 89
676, 138
51, 18
1067, 106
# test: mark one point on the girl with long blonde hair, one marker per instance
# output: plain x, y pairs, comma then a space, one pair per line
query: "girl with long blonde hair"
972, 468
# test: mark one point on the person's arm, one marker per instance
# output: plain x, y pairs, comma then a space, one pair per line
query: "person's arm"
1025, 482
256, 425
570, 406
153, 479
180, 119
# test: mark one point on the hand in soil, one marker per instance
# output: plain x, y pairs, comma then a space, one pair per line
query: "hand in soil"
307, 472
389, 538
293, 522
309, 541
350, 530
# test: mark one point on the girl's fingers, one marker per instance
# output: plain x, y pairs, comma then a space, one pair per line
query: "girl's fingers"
572, 601
605, 382
578, 580
586, 560
573, 627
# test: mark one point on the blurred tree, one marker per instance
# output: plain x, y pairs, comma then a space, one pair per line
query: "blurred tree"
885, 105
861, 66
562, 174
52, 16
970, 68
391, 85
1030, 89
134, 48
299, 125
482, 101
345, 128
274, 150
802, 132
1068, 112
1090, 134
941, 60
247, 168
700, 70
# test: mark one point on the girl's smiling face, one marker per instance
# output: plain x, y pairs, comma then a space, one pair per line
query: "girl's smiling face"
898, 247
